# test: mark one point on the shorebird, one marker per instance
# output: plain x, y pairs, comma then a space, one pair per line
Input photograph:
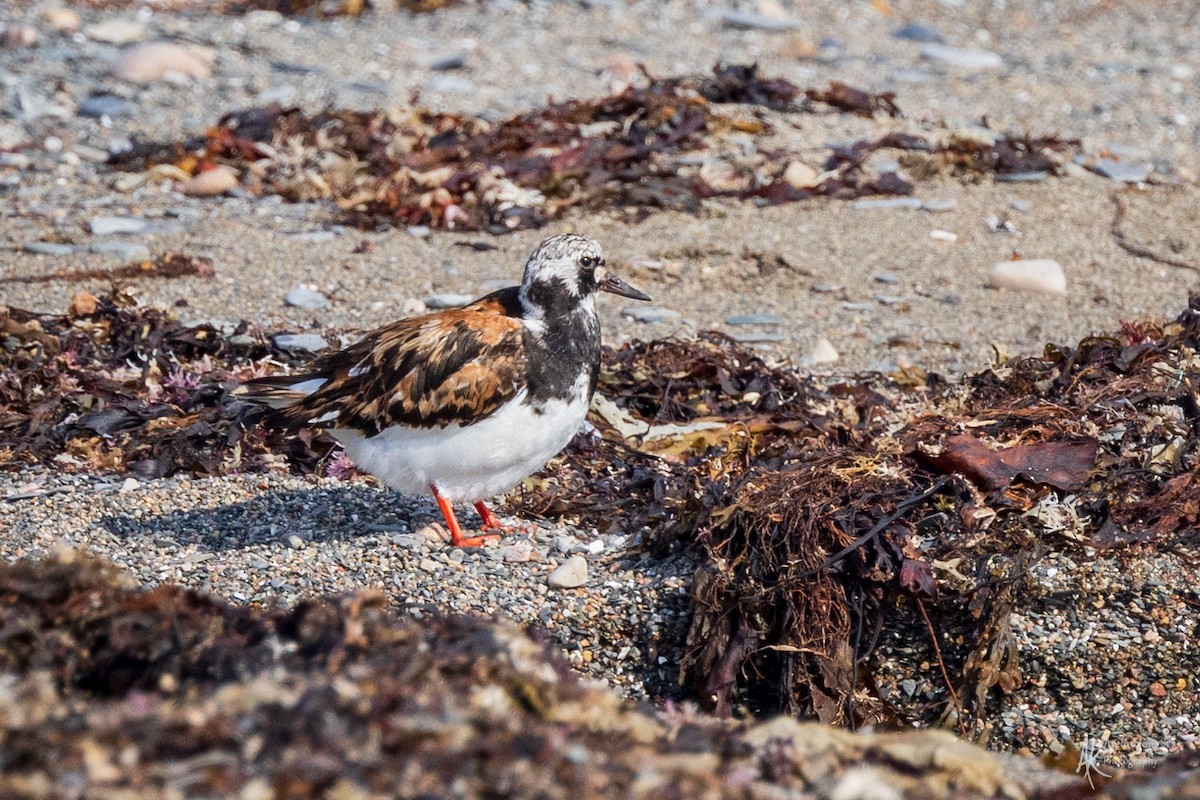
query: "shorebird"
465, 402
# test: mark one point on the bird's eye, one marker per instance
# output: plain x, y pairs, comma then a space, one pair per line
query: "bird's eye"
588, 262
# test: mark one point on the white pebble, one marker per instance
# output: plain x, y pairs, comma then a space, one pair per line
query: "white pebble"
158, 60
823, 352
571, 574
943, 236
1030, 275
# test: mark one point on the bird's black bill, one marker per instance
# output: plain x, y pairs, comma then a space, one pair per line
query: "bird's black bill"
611, 283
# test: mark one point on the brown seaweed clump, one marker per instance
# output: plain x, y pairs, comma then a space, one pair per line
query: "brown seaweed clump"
107, 689
668, 144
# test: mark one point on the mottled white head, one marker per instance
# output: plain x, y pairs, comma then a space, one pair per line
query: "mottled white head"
563, 274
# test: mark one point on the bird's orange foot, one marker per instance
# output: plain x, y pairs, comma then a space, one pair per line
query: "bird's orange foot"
492, 522
474, 541
457, 538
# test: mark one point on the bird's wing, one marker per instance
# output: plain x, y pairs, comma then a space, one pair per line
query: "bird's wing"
456, 366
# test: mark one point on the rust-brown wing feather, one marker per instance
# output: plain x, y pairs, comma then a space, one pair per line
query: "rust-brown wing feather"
455, 366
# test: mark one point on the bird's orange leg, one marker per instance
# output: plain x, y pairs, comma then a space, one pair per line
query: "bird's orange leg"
489, 519
457, 539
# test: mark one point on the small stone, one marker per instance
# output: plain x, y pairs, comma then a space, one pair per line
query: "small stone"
1124, 171
877, 203
1032, 176
916, 32
313, 237
293, 541
749, 20
108, 226
965, 57
889, 299
571, 574
649, 314
157, 60
63, 20
428, 565
17, 34
754, 319
1032, 275
565, 544
451, 84
306, 297
210, 183
908, 686
447, 300
49, 248
516, 553
449, 63
104, 105
799, 175
115, 31
1020, 205
823, 352
83, 304
309, 342
1158, 690
887, 278
124, 251
943, 236
939, 206
412, 306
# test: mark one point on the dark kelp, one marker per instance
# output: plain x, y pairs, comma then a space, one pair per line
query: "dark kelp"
826, 517
664, 144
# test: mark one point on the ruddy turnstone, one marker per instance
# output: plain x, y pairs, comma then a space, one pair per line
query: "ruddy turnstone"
468, 401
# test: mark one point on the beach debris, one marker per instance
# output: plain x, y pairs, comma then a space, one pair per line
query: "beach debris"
671, 143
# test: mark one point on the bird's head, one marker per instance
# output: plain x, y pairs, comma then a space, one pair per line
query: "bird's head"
565, 272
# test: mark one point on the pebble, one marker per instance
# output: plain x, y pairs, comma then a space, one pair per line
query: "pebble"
571, 574
799, 175
210, 183
943, 236
306, 297
63, 20
447, 300
649, 314
750, 20
1033, 176
823, 352
309, 342
49, 248
1031, 274
917, 32
876, 203
1020, 205
18, 35
939, 206
449, 63
104, 105
452, 84
887, 277
516, 553
158, 60
109, 226
1120, 170
124, 251
115, 31
754, 319
965, 57
84, 304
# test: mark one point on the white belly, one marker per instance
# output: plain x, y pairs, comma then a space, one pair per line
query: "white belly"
472, 462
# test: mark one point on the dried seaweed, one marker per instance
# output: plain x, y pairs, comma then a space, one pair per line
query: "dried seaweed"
168, 265
820, 512
321, 9
114, 387
671, 143
822, 523
111, 689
